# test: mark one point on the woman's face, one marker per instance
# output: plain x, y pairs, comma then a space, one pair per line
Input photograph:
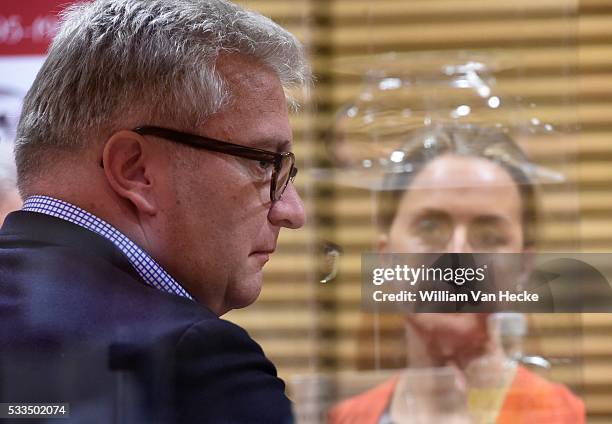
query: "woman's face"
461, 205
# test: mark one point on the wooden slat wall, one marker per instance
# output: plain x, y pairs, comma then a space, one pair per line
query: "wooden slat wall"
563, 52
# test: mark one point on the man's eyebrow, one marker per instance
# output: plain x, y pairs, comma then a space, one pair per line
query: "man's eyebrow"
273, 145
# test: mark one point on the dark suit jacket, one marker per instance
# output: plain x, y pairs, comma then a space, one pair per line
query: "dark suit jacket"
78, 325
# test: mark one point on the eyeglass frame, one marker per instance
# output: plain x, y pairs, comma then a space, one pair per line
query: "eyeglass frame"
220, 146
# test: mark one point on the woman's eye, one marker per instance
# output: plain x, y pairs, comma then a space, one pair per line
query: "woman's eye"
488, 237
428, 226
433, 230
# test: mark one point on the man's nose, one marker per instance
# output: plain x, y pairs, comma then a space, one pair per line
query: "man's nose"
289, 210
459, 242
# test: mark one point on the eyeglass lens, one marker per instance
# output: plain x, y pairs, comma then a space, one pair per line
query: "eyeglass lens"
283, 176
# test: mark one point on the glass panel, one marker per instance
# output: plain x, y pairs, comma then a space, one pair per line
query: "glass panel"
429, 102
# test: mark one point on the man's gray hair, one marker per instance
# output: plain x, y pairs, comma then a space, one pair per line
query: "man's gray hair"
116, 59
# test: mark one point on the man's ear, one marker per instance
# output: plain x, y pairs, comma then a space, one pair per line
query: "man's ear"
383, 243
127, 164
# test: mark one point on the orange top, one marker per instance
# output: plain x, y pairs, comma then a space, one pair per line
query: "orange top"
530, 399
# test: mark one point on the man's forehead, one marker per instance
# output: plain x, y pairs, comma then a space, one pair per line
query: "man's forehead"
255, 113
240, 71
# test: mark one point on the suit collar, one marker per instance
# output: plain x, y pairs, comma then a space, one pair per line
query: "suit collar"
33, 227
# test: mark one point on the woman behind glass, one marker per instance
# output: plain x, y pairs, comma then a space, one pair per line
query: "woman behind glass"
461, 189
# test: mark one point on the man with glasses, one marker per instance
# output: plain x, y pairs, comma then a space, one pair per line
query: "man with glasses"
154, 157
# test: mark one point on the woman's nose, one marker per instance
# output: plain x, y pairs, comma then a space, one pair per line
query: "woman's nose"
459, 242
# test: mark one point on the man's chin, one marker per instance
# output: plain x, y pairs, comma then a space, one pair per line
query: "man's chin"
245, 292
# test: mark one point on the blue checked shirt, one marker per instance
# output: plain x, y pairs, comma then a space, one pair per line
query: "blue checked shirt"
150, 271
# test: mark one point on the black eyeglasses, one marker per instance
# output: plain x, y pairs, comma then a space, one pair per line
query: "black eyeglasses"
284, 162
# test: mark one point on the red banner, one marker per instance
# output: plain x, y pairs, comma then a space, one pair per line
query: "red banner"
27, 27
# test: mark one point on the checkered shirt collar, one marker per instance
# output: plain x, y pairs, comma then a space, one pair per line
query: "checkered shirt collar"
149, 270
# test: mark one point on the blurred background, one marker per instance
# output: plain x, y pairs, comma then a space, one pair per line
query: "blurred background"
555, 61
